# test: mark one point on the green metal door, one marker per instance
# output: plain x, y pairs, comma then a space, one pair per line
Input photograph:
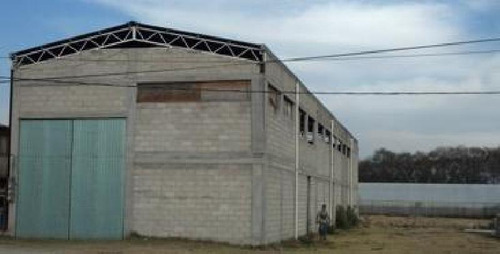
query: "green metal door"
44, 174
97, 179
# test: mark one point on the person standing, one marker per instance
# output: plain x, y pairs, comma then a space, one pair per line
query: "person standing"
323, 219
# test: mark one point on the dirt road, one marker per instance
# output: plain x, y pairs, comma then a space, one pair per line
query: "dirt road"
379, 234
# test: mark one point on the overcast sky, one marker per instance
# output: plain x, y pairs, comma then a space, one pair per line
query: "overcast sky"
302, 28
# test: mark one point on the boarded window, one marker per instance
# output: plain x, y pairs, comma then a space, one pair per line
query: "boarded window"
225, 91
194, 91
168, 93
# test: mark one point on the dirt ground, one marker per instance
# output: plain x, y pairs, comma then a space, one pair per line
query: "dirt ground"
378, 234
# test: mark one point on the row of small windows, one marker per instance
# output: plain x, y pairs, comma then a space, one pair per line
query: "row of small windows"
306, 122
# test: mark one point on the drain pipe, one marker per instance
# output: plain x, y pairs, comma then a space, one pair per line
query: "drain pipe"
332, 197
297, 134
351, 182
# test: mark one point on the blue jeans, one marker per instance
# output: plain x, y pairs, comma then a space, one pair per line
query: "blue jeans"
323, 229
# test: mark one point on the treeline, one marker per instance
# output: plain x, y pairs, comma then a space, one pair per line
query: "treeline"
442, 165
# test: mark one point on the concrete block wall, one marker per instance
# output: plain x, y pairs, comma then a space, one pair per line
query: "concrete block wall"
190, 127
287, 204
315, 159
207, 202
273, 205
71, 100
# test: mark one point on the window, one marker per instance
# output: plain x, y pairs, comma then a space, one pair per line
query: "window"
344, 149
327, 136
310, 129
274, 97
348, 152
302, 116
339, 146
231, 90
288, 107
320, 130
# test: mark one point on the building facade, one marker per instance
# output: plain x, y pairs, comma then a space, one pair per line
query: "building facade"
167, 133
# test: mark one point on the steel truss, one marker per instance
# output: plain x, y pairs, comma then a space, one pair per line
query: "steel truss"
136, 35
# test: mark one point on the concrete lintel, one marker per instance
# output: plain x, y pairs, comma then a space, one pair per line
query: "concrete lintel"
194, 77
73, 115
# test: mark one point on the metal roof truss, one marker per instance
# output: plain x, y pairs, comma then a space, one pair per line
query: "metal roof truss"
137, 33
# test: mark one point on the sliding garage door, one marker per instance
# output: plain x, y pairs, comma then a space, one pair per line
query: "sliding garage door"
44, 172
97, 179
71, 179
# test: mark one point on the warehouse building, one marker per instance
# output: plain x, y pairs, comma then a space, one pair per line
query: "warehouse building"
138, 129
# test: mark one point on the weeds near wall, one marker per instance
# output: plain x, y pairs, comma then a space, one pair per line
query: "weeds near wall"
346, 218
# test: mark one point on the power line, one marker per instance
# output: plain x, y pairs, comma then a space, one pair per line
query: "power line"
378, 51
459, 53
416, 55
176, 88
307, 58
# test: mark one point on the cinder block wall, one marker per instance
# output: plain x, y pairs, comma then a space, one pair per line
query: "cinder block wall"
188, 181
315, 162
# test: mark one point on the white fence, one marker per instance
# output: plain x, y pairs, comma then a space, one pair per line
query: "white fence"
455, 200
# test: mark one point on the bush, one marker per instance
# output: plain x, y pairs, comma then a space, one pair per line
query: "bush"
331, 230
346, 218
341, 220
352, 217
307, 239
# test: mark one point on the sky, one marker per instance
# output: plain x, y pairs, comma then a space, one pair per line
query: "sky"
293, 28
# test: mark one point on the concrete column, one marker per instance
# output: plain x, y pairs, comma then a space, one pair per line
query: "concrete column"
129, 163
258, 204
258, 116
258, 149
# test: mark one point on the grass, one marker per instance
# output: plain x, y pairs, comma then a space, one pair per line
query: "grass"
376, 234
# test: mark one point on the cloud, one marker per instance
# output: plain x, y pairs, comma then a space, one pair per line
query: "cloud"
335, 24
302, 28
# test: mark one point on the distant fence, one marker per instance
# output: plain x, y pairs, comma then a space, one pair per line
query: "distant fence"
445, 200
429, 209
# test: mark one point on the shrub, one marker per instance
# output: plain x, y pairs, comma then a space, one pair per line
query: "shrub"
331, 230
352, 217
341, 220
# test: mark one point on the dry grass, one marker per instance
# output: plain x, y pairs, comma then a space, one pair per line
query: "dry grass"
378, 234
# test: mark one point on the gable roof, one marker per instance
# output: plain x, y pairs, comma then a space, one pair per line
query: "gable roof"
134, 35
